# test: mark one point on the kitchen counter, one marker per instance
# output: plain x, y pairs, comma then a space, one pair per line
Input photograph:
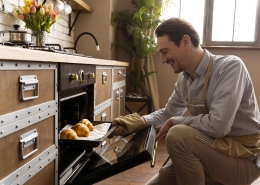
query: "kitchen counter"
21, 54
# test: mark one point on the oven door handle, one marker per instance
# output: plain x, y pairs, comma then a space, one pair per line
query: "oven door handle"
154, 154
73, 96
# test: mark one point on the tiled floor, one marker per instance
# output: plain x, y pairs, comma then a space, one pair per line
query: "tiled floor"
141, 174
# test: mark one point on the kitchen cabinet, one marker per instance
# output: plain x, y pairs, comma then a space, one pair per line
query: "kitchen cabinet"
119, 78
28, 123
102, 94
109, 92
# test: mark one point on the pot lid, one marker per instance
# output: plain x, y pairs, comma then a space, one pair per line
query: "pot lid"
16, 29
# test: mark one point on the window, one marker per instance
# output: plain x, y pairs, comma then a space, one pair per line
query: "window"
221, 22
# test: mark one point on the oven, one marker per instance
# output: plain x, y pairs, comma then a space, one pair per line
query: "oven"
90, 161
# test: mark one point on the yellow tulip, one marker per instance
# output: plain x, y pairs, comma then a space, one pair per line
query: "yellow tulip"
47, 12
21, 11
26, 9
15, 13
28, 2
57, 17
50, 6
42, 11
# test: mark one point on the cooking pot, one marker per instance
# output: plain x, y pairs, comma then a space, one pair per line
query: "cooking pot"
16, 35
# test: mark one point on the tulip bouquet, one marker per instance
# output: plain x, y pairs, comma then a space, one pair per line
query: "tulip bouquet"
37, 17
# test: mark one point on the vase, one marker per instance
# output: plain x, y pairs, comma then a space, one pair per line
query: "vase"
39, 39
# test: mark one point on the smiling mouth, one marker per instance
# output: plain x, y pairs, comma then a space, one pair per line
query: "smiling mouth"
170, 62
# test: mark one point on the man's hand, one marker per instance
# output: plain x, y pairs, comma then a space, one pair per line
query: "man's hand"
164, 130
131, 123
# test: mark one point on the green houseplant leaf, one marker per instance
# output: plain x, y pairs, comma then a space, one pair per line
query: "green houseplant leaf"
135, 25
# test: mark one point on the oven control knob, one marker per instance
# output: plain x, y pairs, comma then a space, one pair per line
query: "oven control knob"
91, 75
74, 76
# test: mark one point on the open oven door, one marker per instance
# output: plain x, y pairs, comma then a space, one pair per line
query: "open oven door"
112, 159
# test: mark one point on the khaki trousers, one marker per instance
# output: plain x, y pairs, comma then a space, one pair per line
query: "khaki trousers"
194, 163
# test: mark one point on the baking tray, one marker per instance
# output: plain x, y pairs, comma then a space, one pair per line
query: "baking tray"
88, 143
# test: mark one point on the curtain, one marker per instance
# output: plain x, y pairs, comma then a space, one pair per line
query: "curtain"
150, 86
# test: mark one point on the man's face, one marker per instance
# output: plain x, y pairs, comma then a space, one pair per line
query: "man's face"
171, 54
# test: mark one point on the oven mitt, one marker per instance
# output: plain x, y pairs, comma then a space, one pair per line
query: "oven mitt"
131, 123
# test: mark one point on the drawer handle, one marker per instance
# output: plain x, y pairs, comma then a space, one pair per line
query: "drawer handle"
28, 83
27, 139
117, 94
121, 93
104, 77
120, 73
103, 116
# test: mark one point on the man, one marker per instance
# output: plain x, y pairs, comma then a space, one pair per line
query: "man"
219, 142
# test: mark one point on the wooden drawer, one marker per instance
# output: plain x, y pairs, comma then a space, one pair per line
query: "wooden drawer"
10, 159
103, 88
34, 143
10, 89
119, 74
119, 102
45, 176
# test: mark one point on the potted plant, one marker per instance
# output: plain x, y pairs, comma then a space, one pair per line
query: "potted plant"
136, 26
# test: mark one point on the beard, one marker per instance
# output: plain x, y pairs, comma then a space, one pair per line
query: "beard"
174, 65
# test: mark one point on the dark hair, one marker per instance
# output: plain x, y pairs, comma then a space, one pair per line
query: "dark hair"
175, 28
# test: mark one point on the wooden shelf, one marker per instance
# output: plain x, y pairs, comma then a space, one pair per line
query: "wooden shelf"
80, 5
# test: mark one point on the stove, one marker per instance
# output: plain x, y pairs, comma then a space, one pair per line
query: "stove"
55, 48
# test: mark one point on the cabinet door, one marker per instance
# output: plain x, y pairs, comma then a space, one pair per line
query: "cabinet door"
119, 102
10, 89
119, 74
103, 85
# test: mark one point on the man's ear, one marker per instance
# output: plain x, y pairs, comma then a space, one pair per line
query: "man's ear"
186, 40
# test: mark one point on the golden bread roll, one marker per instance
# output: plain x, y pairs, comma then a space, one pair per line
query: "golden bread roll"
68, 134
88, 123
81, 130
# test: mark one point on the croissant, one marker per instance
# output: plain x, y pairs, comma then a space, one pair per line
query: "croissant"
88, 123
68, 134
81, 130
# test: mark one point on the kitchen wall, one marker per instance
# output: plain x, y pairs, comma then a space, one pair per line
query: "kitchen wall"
97, 23
59, 31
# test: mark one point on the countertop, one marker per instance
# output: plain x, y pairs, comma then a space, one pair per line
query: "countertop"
21, 54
